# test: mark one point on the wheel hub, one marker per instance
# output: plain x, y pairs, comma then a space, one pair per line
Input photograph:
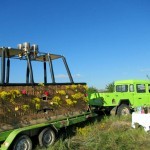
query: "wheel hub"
47, 138
22, 145
125, 111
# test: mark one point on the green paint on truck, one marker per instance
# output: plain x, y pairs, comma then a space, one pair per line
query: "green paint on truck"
127, 95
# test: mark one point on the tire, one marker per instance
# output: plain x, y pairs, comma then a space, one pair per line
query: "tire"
22, 142
46, 137
123, 109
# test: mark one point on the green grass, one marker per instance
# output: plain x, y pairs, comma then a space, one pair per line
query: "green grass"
109, 133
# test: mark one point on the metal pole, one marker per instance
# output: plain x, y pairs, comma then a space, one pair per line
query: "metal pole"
8, 66
67, 68
3, 66
27, 73
8, 71
51, 68
30, 69
45, 73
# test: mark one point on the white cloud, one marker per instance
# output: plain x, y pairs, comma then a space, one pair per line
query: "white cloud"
77, 75
61, 76
66, 76
145, 70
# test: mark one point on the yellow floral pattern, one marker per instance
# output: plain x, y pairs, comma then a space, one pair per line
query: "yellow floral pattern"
33, 102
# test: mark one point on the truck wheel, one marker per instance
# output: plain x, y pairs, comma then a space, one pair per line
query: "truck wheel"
46, 137
123, 109
23, 142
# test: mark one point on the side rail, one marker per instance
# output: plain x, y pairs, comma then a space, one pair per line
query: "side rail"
57, 124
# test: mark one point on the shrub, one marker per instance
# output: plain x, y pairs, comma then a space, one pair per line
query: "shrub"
112, 133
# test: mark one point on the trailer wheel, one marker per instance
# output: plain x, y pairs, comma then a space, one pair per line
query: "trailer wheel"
123, 109
46, 137
23, 142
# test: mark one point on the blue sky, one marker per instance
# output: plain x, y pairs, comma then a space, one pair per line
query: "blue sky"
103, 40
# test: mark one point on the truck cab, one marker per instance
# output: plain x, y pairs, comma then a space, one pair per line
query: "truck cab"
127, 95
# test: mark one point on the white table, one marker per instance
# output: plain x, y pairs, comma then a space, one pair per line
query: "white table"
141, 119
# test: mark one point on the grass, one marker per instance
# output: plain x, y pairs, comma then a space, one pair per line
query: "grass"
109, 133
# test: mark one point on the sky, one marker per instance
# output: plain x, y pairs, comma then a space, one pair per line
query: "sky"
102, 40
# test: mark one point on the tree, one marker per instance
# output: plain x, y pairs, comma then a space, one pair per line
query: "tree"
92, 90
110, 87
148, 77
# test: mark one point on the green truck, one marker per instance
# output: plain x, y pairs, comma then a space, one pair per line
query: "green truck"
127, 95
36, 109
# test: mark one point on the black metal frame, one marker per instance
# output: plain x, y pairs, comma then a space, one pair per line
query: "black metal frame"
46, 57
51, 68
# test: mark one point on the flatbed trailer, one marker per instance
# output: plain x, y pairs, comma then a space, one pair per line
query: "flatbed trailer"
30, 108
49, 127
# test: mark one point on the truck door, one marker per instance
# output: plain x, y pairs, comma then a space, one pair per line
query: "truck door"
148, 95
122, 92
141, 97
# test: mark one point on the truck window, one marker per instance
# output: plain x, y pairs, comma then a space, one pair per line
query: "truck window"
149, 88
121, 88
140, 88
131, 88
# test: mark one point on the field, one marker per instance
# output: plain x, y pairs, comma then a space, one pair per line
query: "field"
103, 133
